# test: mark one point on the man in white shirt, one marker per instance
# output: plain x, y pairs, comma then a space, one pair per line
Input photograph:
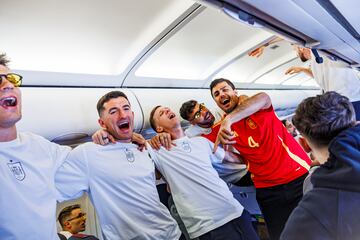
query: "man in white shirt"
119, 178
204, 202
28, 164
331, 74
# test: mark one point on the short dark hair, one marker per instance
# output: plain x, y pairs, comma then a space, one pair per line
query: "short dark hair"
323, 117
66, 212
220, 80
4, 60
110, 95
151, 119
187, 108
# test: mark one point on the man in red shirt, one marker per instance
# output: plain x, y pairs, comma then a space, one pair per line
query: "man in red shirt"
277, 163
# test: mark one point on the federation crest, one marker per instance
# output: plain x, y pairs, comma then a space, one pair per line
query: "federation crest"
17, 169
129, 155
251, 123
186, 147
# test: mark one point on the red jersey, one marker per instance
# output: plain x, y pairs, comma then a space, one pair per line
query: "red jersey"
272, 155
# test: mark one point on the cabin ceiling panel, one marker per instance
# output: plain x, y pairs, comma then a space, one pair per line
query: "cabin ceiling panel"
86, 36
246, 69
277, 75
202, 46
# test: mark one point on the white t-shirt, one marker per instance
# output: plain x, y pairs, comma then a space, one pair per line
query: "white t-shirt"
204, 201
27, 192
229, 172
120, 181
336, 76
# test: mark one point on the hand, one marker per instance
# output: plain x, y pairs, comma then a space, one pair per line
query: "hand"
225, 136
293, 70
161, 139
139, 140
257, 52
102, 137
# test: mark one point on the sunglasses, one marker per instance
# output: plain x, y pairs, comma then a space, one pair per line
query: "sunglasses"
81, 215
14, 78
198, 113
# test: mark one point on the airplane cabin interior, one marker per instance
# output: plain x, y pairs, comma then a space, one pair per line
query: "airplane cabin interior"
162, 52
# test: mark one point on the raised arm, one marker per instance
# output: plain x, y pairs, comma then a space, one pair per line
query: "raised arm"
248, 107
260, 50
295, 69
244, 109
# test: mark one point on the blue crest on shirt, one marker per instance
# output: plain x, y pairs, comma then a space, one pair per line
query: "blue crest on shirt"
129, 155
17, 169
186, 146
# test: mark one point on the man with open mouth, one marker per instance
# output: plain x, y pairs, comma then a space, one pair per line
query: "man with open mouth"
28, 163
119, 178
203, 201
278, 164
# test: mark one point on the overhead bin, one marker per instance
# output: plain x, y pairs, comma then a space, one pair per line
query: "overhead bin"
330, 26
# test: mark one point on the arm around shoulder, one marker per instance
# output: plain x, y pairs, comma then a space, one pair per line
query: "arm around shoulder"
249, 106
71, 178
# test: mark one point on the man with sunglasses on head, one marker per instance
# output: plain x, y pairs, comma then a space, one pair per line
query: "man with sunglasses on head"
73, 221
28, 164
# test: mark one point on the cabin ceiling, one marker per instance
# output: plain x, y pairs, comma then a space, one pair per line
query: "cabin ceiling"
157, 43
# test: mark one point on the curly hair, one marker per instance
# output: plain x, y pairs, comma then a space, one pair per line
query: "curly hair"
187, 108
323, 117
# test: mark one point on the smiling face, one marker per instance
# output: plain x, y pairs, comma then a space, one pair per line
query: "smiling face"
10, 101
201, 116
225, 97
118, 118
165, 120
